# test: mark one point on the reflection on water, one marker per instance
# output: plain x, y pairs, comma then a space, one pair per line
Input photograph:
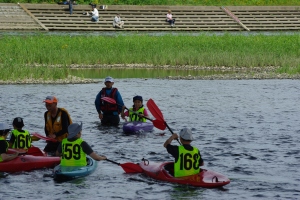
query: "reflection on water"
141, 73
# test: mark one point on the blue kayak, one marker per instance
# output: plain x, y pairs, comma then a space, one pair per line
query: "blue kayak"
69, 173
137, 127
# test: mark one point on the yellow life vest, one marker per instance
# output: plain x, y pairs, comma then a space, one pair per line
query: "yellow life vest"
2, 138
22, 139
72, 153
133, 116
57, 125
187, 163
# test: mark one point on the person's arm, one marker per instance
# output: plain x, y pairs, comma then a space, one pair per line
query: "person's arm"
89, 151
146, 113
3, 150
122, 113
97, 157
98, 102
64, 123
169, 141
45, 118
116, 19
12, 140
201, 162
7, 157
59, 150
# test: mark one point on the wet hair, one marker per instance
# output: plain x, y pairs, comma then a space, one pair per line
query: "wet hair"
4, 132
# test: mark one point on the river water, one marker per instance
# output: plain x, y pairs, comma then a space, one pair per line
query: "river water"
247, 130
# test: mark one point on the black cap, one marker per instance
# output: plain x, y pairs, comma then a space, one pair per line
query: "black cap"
18, 122
138, 98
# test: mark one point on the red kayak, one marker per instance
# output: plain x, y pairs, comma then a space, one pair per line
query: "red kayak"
206, 178
34, 151
37, 160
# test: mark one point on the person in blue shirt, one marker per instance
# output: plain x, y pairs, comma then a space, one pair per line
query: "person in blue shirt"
108, 112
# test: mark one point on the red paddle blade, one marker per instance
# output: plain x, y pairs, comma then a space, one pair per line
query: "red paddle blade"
159, 124
44, 137
109, 100
155, 111
131, 168
35, 151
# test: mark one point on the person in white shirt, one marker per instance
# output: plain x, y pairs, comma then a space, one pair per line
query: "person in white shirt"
170, 18
118, 23
95, 14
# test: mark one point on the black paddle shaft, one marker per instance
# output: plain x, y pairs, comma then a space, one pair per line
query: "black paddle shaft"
112, 161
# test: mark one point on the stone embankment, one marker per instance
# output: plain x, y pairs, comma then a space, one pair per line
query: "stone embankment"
68, 80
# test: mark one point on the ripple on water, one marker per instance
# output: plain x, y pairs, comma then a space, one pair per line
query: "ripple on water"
247, 130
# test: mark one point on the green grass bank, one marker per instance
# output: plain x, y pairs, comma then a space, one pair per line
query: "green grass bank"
22, 56
173, 2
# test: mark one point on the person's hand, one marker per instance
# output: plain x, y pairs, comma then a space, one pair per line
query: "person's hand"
52, 136
100, 116
174, 136
123, 115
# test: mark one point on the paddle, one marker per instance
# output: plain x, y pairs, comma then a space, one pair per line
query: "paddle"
34, 138
44, 137
19, 151
128, 167
156, 122
34, 151
155, 111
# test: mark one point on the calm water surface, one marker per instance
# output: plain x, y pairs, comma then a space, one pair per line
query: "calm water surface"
245, 129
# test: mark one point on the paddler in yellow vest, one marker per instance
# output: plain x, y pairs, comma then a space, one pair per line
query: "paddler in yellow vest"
73, 149
4, 131
57, 121
187, 158
138, 112
20, 139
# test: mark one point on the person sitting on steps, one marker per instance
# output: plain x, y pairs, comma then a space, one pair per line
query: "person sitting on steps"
118, 23
170, 18
94, 13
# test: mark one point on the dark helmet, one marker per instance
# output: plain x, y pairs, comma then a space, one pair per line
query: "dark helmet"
18, 122
138, 98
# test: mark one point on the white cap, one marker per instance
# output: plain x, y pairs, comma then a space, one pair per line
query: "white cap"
186, 134
109, 79
74, 129
4, 126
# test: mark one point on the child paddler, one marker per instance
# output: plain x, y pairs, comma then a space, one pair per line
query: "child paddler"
4, 131
20, 139
138, 112
187, 158
73, 149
